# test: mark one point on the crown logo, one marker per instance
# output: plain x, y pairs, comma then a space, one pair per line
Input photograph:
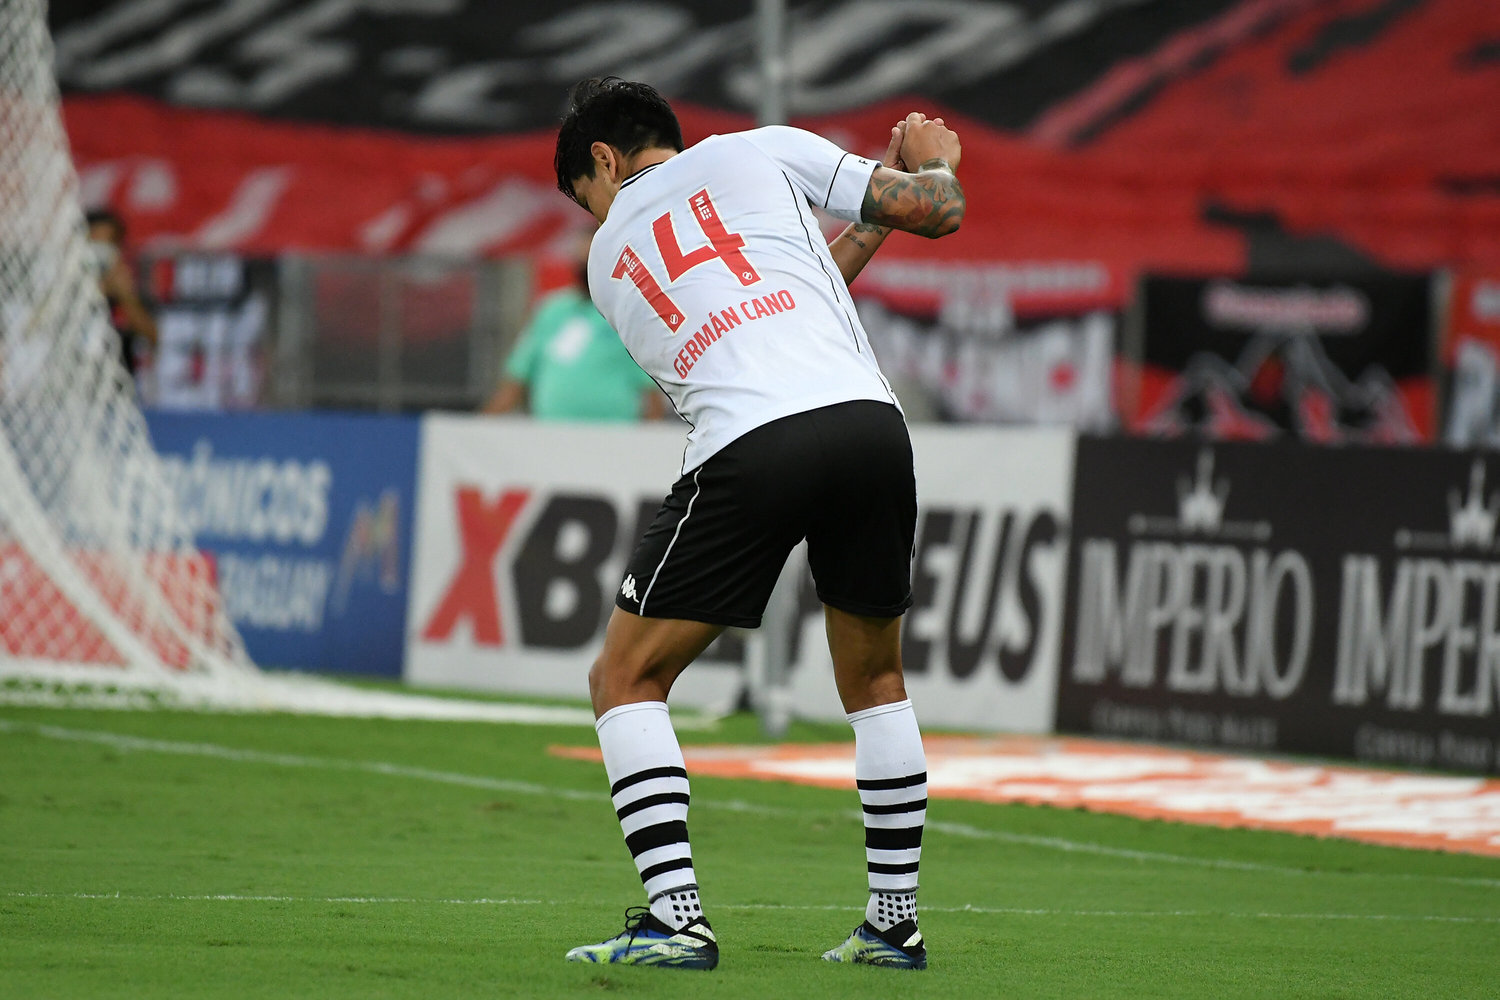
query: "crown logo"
1200, 504
1473, 521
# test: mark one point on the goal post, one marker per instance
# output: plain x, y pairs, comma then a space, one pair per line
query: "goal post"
100, 582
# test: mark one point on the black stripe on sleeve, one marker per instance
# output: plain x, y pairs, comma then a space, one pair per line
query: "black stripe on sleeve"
903, 838
876, 869
834, 179
895, 807
886, 784
648, 838
647, 801
646, 775
677, 864
834, 282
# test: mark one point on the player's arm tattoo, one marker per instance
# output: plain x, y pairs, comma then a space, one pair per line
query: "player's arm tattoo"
853, 248
860, 234
928, 203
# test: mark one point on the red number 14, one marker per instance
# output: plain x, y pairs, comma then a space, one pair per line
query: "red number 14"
722, 245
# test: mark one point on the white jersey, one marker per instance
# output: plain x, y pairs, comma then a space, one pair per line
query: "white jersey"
713, 270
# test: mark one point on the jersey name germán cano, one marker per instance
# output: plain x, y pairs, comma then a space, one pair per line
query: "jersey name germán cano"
712, 268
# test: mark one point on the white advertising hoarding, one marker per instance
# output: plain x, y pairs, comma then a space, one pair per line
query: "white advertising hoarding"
980, 643
523, 530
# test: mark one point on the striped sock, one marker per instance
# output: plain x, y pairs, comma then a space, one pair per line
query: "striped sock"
649, 787
890, 769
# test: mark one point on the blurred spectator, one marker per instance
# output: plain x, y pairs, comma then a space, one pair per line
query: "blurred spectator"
569, 364
128, 314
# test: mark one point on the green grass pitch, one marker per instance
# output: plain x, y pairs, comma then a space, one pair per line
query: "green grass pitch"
175, 855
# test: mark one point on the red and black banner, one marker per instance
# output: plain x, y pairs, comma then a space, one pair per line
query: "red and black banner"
977, 360
1332, 362
473, 67
1471, 359
1186, 136
214, 314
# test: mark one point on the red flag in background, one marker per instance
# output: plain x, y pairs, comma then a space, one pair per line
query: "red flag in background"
1217, 136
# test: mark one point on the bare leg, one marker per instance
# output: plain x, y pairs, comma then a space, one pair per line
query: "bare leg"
648, 781
642, 657
866, 659
890, 769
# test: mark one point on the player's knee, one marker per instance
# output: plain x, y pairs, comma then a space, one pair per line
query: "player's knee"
862, 689
624, 667
596, 681
623, 676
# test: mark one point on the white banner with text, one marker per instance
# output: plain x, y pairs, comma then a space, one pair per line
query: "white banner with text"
523, 530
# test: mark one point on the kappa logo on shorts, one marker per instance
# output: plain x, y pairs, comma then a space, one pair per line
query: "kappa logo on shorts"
627, 589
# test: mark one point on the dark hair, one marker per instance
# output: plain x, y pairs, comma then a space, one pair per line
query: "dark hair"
105, 217
628, 116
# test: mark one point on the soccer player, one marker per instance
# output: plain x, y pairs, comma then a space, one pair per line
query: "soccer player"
710, 265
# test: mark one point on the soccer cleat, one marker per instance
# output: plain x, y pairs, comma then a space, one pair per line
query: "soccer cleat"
898, 948
648, 941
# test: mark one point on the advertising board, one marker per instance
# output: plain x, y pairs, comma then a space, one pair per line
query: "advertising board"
1280, 597
980, 642
524, 528
1327, 361
1471, 359
308, 520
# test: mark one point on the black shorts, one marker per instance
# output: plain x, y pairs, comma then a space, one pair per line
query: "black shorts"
840, 476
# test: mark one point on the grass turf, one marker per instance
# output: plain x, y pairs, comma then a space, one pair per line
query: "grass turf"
164, 854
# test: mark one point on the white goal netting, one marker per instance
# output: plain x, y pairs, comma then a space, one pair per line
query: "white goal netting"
104, 599
99, 581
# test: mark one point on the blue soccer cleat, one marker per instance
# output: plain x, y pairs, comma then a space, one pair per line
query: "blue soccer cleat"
648, 941
898, 948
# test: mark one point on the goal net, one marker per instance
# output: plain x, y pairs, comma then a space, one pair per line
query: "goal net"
100, 584
104, 599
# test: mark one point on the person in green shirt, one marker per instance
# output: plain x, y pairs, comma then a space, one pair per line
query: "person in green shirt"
569, 364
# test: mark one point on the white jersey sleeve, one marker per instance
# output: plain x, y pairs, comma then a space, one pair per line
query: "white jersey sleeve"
829, 177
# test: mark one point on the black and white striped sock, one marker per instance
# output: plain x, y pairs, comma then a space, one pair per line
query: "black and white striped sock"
890, 769
649, 787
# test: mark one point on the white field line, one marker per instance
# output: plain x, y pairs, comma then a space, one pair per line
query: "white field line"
1006, 911
142, 744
